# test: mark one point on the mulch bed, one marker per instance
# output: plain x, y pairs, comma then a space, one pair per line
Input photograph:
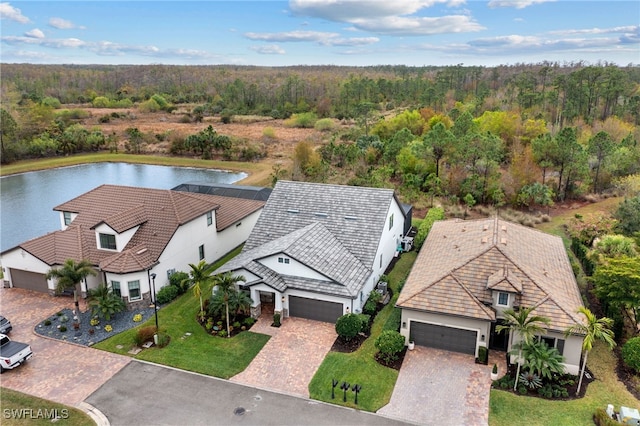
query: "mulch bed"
571, 389
395, 364
340, 345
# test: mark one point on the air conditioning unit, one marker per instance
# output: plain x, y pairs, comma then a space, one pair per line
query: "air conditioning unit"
382, 288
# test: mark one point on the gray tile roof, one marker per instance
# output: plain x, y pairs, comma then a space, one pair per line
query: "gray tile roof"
333, 229
492, 253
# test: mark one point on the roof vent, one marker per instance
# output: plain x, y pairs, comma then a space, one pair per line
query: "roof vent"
294, 211
503, 241
351, 218
504, 228
485, 227
141, 251
484, 240
320, 214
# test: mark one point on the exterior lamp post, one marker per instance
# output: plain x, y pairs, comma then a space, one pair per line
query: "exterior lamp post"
155, 306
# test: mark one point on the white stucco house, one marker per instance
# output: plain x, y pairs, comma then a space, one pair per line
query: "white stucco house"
131, 233
468, 272
318, 250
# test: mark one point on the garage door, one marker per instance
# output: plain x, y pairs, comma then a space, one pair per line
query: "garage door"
29, 280
318, 310
441, 337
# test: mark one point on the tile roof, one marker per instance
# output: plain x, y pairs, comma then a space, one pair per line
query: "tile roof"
333, 229
486, 254
158, 214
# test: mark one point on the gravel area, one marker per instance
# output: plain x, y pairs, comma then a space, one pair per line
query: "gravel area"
84, 336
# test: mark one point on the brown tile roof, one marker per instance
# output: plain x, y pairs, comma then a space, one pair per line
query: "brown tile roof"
157, 212
492, 253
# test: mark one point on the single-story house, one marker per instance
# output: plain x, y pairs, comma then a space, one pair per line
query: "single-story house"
468, 272
131, 233
318, 250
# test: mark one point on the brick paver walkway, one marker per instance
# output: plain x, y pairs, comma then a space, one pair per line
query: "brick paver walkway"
437, 387
291, 357
59, 371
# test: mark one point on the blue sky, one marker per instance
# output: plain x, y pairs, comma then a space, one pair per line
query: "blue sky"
320, 32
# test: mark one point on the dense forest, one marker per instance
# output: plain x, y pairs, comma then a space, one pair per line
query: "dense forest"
525, 134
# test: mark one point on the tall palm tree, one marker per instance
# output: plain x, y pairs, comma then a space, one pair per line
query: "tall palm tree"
199, 276
226, 284
69, 275
593, 329
526, 325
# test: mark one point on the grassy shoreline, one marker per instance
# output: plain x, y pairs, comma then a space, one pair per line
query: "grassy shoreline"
258, 173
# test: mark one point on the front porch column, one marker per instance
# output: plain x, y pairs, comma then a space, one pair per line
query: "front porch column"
280, 304
256, 306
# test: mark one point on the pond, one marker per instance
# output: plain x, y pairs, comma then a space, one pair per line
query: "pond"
28, 199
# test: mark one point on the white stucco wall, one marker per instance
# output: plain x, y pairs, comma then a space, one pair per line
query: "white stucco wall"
389, 240
293, 268
62, 225
122, 239
142, 276
21, 259
481, 327
572, 349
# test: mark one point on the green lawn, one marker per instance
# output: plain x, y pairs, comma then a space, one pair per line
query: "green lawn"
360, 367
191, 348
22, 409
506, 408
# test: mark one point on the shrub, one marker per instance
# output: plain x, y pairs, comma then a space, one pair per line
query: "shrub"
365, 321
94, 321
305, 120
276, 319
63, 328
144, 335
325, 124
436, 213
370, 307
348, 326
163, 340
389, 344
483, 354
180, 280
631, 353
249, 321
393, 322
222, 333
63, 319
269, 132
47, 322
167, 294
601, 418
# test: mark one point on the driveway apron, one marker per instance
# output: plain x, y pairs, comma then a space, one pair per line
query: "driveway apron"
437, 387
290, 358
59, 371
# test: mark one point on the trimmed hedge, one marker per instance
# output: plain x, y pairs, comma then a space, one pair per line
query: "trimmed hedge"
167, 294
393, 322
436, 213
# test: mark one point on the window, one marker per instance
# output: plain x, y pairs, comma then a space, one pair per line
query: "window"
553, 343
209, 218
134, 290
503, 299
170, 272
284, 260
391, 221
67, 218
107, 241
115, 288
201, 252
381, 260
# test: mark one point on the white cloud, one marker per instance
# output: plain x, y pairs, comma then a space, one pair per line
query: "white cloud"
61, 24
35, 33
518, 4
11, 13
387, 17
350, 41
271, 49
292, 36
627, 29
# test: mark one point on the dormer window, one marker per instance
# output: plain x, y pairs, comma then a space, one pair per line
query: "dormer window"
209, 218
107, 241
67, 218
284, 260
503, 299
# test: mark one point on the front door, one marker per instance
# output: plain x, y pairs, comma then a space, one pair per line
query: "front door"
499, 341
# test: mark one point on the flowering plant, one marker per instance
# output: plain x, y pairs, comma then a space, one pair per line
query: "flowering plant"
94, 321
108, 328
137, 318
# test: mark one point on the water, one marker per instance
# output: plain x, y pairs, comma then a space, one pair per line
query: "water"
27, 200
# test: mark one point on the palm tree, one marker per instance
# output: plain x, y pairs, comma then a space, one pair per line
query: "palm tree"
226, 285
594, 329
69, 276
199, 276
526, 325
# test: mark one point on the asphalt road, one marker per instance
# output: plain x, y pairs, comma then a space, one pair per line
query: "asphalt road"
148, 394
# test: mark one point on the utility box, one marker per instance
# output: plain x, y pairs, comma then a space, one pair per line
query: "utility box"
629, 416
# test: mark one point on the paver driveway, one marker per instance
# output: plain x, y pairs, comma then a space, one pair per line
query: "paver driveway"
291, 357
437, 387
59, 371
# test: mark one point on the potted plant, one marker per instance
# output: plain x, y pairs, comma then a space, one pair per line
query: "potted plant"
494, 372
412, 345
276, 320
